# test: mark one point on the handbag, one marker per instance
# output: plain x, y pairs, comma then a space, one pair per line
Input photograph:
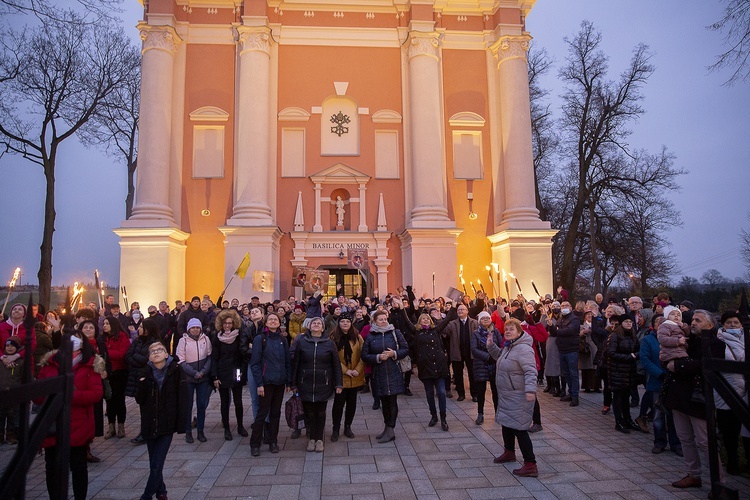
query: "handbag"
405, 362
107, 388
583, 346
294, 412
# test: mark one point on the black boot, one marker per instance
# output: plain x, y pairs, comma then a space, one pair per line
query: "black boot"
335, 434
443, 423
549, 385
348, 431
433, 420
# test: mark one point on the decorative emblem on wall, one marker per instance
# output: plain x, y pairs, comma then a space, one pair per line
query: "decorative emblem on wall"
340, 119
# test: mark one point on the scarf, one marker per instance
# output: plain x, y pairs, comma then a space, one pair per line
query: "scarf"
228, 337
347, 347
381, 329
160, 374
735, 344
509, 343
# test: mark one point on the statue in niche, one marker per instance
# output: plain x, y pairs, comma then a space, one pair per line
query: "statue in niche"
340, 211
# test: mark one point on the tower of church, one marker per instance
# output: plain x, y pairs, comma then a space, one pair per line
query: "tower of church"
372, 143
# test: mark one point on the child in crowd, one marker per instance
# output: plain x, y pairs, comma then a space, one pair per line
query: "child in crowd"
10, 376
671, 337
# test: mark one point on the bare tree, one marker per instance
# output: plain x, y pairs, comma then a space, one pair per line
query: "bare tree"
736, 28
44, 9
596, 115
67, 68
745, 247
114, 126
544, 139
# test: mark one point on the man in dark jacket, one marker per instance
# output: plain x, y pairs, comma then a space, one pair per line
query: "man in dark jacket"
459, 331
690, 416
567, 331
193, 311
162, 413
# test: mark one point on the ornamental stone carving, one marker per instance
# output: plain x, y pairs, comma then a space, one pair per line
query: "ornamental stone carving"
424, 44
159, 38
254, 41
511, 47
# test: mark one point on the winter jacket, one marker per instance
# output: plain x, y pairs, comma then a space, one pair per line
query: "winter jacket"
515, 376
227, 364
539, 335
87, 391
567, 330
8, 329
458, 350
484, 363
669, 334
189, 314
655, 374
247, 335
357, 363
386, 374
10, 377
43, 346
271, 363
194, 356
734, 351
688, 375
316, 368
623, 344
136, 358
117, 349
163, 411
294, 325
599, 336
314, 310
586, 361
429, 349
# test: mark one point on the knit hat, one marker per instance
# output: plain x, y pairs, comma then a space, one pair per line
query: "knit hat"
195, 298
688, 304
19, 304
483, 314
16, 341
299, 306
194, 322
624, 317
669, 309
346, 316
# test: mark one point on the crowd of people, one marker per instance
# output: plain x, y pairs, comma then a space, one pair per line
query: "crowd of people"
335, 348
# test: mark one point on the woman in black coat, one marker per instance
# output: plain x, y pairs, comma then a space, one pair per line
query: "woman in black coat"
137, 358
484, 363
227, 368
622, 353
316, 375
432, 362
383, 346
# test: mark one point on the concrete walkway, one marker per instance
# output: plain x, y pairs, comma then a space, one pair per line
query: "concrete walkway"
579, 455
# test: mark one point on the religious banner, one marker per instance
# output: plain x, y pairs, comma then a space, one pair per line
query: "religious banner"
317, 279
263, 281
455, 295
299, 278
356, 258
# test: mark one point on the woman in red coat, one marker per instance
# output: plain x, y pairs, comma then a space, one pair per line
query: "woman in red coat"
87, 391
117, 341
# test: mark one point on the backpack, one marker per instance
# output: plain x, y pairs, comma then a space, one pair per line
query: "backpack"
295, 414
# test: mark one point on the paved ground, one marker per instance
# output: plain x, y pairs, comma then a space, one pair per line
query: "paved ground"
579, 454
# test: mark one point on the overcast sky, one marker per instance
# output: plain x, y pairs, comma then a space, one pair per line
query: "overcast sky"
688, 109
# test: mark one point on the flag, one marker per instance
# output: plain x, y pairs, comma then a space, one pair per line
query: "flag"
243, 267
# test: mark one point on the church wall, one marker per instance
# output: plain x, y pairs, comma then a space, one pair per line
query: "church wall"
209, 82
465, 89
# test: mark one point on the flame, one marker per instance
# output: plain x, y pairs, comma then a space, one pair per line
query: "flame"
512, 275
505, 277
16, 274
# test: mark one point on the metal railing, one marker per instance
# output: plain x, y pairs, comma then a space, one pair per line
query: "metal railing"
53, 419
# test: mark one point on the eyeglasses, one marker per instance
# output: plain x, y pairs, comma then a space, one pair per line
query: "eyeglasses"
155, 351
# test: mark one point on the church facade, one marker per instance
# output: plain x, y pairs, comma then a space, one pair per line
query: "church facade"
371, 143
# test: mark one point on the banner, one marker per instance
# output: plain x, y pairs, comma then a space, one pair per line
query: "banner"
356, 258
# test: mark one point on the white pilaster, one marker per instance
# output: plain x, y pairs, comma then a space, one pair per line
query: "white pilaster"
318, 227
362, 208
151, 206
251, 182
263, 245
424, 251
515, 116
152, 263
427, 165
299, 214
528, 255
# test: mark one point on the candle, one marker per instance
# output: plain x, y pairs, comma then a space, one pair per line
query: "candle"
516, 279
472, 287
480, 284
535, 290
463, 284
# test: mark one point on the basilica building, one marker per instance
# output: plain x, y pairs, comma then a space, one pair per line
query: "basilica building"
362, 144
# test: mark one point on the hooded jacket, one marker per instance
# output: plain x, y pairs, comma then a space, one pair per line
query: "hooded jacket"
194, 355
316, 369
87, 383
515, 376
163, 411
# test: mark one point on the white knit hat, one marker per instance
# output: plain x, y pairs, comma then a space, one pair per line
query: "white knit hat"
483, 314
194, 322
